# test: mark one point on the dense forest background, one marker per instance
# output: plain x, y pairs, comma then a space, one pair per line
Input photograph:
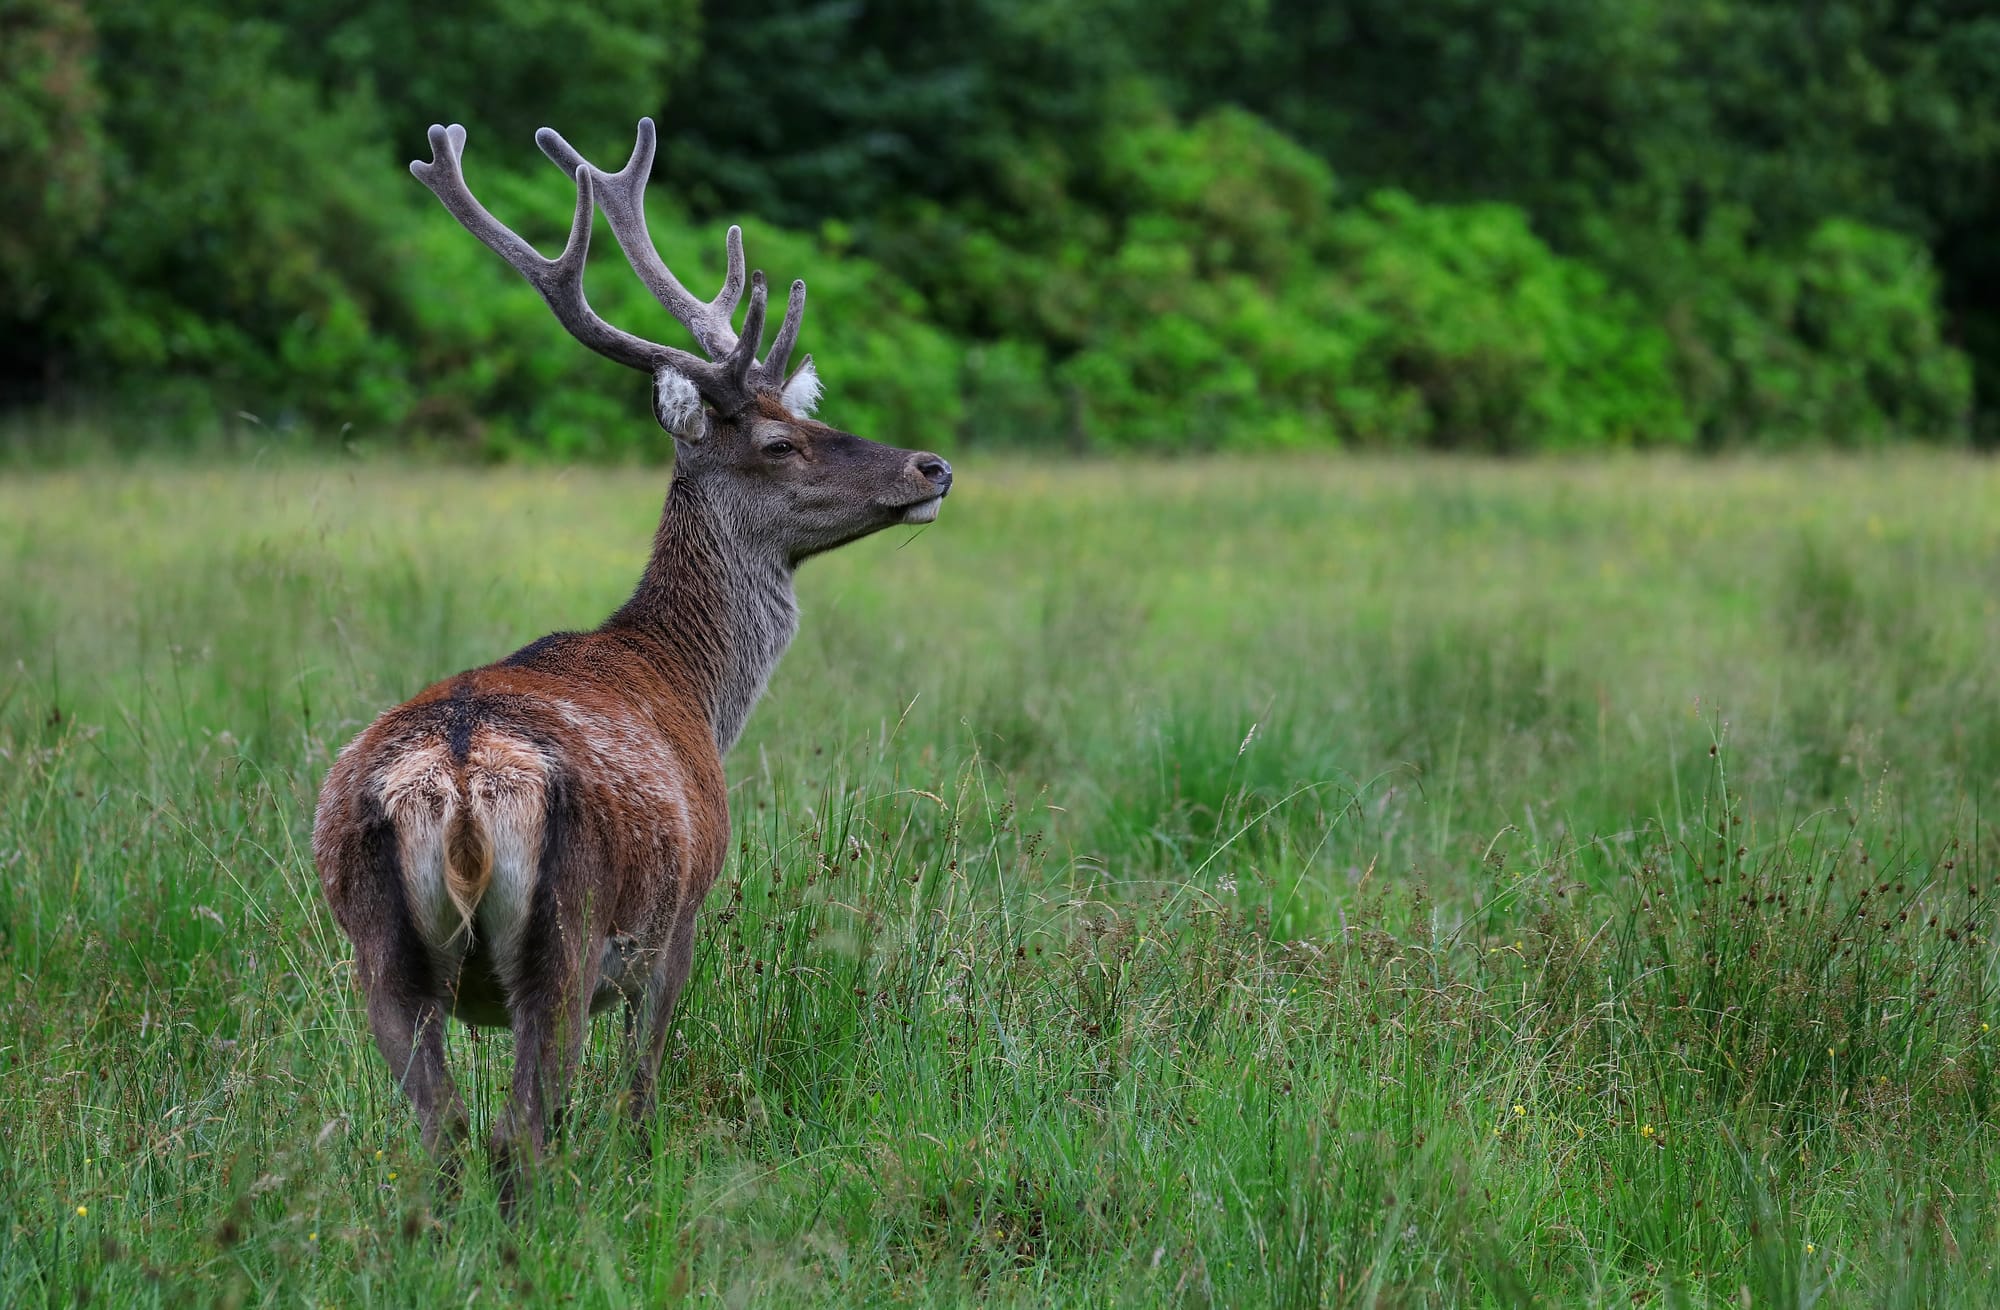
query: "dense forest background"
1498, 224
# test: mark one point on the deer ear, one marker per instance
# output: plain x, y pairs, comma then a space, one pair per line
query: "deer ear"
802, 389
677, 405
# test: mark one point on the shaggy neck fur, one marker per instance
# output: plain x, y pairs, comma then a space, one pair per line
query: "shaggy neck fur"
717, 600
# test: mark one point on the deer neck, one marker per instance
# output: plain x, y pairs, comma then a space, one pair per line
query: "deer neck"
717, 600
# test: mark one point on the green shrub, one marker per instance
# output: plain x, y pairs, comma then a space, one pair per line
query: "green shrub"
1868, 307
245, 235
1838, 338
51, 175
1474, 333
1238, 305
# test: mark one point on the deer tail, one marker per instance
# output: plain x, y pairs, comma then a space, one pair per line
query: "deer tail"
468, 864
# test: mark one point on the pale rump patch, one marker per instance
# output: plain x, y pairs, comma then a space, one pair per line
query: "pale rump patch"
469, 839
420, 795
506, 782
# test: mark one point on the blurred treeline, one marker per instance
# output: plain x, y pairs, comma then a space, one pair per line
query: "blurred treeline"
1505, 224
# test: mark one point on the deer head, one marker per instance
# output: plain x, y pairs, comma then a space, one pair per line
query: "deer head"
742, 426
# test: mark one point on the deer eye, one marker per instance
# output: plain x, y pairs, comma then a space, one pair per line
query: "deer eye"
777, 448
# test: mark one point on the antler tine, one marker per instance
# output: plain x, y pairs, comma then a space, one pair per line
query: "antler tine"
771, 373
742, 361
732, 273
558, 280
560, 152
623, 197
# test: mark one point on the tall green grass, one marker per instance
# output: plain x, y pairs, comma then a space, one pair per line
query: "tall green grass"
1334, 883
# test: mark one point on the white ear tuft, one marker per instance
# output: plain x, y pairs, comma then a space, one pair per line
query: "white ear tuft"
802, 391
677, 405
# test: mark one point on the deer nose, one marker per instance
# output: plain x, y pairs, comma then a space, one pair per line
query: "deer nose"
936, 470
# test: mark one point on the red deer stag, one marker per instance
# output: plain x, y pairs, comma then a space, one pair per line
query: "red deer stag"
526, 843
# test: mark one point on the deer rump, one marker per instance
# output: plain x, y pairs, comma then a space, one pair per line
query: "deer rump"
492, 856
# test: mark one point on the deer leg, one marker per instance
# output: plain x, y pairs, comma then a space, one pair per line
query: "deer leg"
409, 1030
663, 994
550, 1004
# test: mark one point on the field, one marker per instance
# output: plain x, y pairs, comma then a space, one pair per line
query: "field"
1345, 882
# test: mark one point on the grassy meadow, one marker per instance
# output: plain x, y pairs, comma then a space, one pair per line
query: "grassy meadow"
1347, 882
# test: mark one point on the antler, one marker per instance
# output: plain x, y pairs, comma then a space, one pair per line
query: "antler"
726, 379
622, 196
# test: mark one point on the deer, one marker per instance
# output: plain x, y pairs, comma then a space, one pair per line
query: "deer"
526, 844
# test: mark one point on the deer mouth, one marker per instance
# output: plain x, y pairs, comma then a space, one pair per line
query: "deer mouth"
922, 511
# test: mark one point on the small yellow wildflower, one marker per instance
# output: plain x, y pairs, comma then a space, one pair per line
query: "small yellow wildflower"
378, 1154
1986, 1027
1519, 1111
392, 1175
312, 1237
1646, 1132
83, 1212
1810, 1248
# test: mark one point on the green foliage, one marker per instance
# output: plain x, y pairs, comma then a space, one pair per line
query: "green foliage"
1835, 338
1868, 308
800, 109
1539, 224
502, 69
246, 228
1645, 124
1235, 303
1476, 334
51, 185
